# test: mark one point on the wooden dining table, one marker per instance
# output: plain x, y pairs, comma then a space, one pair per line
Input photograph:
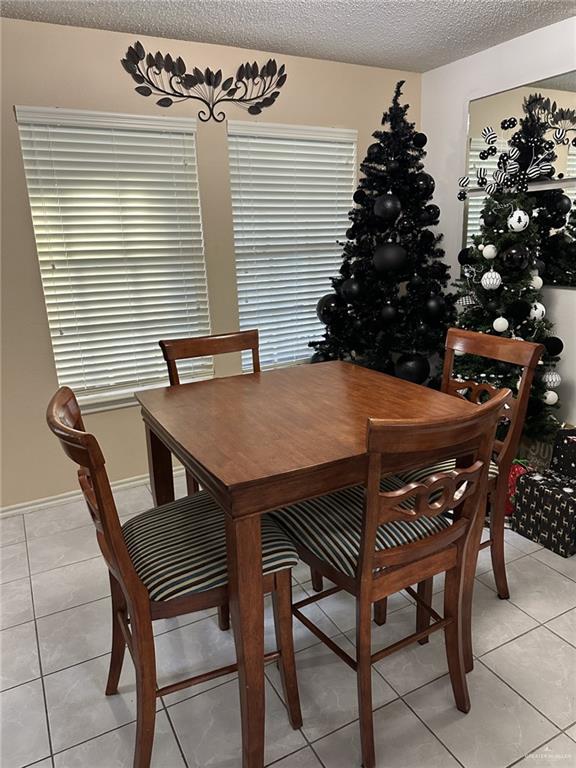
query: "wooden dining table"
261, 441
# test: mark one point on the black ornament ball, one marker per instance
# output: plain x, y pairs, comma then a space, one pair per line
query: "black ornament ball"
373, 151
435, 308
387, 207
540, 266
516, 257
319, 357
359, 196
350, 289
492, 306
554, 346
427, 238
405, 225
389, 257
432, 213
558, 221
351, 233
424, 184
328, 305
465, 257
490, 218
413, 367
518, 310
388, 314
419, 140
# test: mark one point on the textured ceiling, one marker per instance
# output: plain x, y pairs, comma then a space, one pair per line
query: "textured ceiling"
412, 35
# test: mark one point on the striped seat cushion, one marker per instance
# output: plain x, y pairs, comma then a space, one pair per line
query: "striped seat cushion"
331, 526
180, 548
416, 475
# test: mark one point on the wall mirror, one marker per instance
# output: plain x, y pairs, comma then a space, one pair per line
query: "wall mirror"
490, 111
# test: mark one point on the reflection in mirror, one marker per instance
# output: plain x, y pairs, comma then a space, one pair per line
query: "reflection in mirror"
557, 108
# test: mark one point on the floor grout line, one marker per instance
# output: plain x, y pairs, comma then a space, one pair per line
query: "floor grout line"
42, 683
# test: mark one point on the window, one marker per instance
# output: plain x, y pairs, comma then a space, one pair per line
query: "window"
291, 192
116, 215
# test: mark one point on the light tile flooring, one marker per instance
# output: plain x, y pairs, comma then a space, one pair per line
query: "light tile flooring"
55, 636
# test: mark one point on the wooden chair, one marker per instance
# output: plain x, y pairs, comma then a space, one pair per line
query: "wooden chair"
168, 561
204, 346
524, 354
376, 541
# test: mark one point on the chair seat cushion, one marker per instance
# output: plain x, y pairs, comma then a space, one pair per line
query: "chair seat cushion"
180, 548
415, 475
330, 527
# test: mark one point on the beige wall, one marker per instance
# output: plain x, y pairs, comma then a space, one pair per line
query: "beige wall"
47, 65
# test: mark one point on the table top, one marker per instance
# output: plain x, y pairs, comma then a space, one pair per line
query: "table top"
247, 430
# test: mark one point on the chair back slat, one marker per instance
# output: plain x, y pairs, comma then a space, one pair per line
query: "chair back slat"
517, 352
203, 346
468, 440
65, 421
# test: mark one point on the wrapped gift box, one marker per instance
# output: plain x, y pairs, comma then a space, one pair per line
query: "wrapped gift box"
546, 510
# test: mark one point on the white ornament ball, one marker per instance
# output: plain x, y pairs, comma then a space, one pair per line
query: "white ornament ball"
537, 311
500, 324
481, 247
518, 220
550, 397
552, 379
491, 280
459, 352
489, 252
536, 282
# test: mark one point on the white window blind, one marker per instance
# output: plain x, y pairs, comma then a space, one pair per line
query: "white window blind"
291, 192
476, 202
116, 214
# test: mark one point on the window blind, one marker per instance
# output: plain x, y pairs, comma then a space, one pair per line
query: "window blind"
116, 216
291, 192
476, 202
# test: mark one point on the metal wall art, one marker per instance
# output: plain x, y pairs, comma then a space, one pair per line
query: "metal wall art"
254, 87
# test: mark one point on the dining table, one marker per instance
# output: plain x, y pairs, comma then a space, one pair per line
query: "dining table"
260, 441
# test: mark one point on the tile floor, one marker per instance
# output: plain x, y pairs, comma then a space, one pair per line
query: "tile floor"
55, 635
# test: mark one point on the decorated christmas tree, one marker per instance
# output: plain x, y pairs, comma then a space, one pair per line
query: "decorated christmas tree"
388, 309
500, 287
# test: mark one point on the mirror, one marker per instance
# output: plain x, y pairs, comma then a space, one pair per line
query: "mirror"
557, 109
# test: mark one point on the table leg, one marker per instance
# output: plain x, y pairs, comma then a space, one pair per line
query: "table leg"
160, 468
247, 613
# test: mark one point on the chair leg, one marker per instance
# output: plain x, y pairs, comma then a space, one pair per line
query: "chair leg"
224, 617
454, 639
282, 607
317, 582
380, 611
425, 589
145, 663
192, 486
118, 642
497, 546
364, 680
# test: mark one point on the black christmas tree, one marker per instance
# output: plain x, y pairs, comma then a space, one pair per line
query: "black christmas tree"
500, 287
388, 310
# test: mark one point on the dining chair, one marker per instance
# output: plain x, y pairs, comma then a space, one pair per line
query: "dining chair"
517, 352
166, 562
376, 540
203, 346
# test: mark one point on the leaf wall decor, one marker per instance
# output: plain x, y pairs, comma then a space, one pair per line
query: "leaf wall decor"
254, 88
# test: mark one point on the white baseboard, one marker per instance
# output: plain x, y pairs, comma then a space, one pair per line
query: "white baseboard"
64, 498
